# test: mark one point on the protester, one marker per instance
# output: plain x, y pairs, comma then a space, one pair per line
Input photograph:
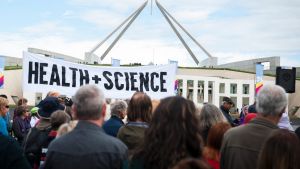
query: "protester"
57, 118
87, 146
249, 117
244, 143
139, 113
21, 123
192, 163
7, 118
284, 122
34, 118
22, 102
214, 141
118, 112
209, 116
173, 135
11, 154
280, 151
3, 111
227, 104
38, 135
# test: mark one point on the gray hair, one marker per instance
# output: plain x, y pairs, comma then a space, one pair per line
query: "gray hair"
210, 115
117, 107
271, 100
88, 102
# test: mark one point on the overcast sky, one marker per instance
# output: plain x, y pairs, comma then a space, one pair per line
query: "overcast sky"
228, 29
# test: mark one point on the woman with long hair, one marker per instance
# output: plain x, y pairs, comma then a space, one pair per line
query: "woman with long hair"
139, 113
173, 135
209, 116
280, 151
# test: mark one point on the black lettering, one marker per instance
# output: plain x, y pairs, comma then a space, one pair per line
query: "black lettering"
83, 77
132, 81
42, 73
154, 88
127, 81
162, 81
110, 84
73, 76
144, 81
33, 72
121, 86
54, 76
63, 77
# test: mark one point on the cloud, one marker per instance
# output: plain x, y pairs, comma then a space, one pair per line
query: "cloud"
47, 28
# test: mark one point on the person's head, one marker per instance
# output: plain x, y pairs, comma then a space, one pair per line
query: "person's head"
139, 108
4, 107
210, 115
53, 94
58, 118
48, 106
89, 103
22, 111
227, 103
192, 163
174, 121
66, 128
271, 101
118, 108
280, 151
34, 111
215, 135
22, 102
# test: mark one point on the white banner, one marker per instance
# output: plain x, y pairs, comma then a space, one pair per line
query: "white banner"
43, 74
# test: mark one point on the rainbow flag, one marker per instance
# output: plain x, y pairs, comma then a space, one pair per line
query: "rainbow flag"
259, 77
1, 80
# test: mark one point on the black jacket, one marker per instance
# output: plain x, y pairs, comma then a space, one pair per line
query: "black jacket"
11, 155
87, 146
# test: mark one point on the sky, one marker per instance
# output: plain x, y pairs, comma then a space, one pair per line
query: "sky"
228, 29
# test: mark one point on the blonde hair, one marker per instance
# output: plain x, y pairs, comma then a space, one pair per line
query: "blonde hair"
3, 101
66, 128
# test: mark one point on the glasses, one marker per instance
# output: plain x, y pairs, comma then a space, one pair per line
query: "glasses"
7, 106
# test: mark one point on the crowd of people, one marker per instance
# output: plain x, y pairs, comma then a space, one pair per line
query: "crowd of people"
141, 133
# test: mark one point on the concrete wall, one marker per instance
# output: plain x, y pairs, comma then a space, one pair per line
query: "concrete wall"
249, 65
55, 55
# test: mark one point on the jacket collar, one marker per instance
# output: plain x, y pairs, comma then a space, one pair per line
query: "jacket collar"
86, 125
264, 122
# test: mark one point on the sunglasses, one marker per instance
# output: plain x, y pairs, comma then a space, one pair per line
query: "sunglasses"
7, 106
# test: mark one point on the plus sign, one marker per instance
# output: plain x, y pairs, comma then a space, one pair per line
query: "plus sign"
96, 79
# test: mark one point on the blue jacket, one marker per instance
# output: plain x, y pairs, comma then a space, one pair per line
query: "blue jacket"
112, 126
3, 127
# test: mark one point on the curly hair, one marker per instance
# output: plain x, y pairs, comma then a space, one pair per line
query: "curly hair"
173, 134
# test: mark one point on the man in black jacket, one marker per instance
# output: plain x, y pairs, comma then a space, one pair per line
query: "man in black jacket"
87, 146
225, 107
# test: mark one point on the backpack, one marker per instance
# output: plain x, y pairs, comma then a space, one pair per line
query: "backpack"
33, 144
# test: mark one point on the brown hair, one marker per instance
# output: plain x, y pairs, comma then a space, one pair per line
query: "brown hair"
139, 107
215, 139
20, 110
58, 118
192, 163
280, 151
22, 101
174, 125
